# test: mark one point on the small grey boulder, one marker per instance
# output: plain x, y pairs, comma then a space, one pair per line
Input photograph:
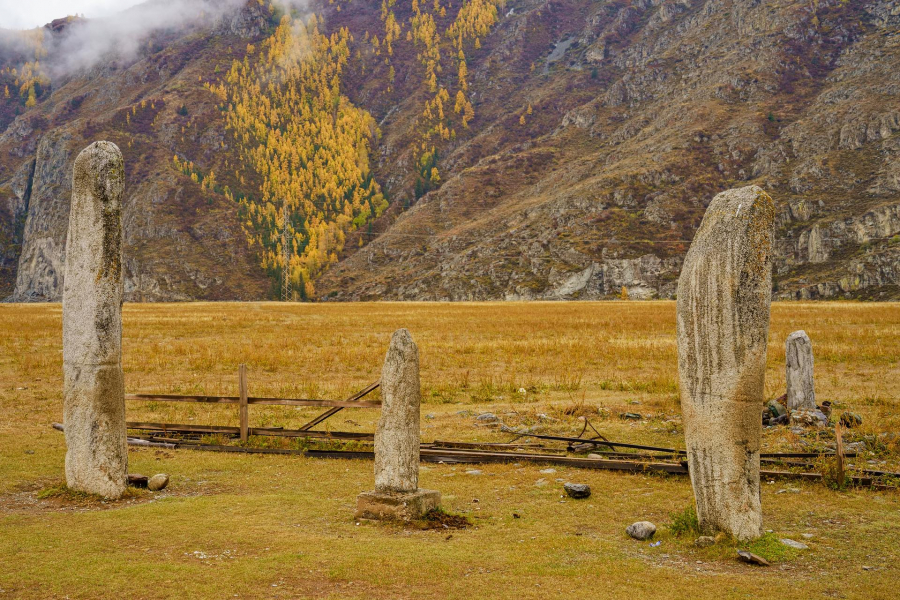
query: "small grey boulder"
577, 490
642, 530
794, 544
705, 540
158, 482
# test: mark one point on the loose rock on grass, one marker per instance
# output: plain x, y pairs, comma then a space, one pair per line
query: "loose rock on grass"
794, 544
642, 530
158, 482
752, 559
577, 490
488, 418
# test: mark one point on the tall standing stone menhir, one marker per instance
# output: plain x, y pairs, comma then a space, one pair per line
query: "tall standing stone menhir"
94, 391
798, 353
397, 494
724, 294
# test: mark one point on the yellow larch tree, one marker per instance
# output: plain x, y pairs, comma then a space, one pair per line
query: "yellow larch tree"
309, 144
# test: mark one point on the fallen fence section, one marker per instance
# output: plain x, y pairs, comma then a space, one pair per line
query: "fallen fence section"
432, 454
270, 431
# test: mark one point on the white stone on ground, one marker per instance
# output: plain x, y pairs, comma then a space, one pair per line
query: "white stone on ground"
642, 530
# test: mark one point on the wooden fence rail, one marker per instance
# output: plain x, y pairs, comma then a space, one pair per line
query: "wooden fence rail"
348, 403
244, 401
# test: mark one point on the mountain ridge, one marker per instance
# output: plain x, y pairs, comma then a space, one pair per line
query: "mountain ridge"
600, 131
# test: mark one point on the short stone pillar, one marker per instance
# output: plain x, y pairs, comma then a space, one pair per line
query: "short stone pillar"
724, 294
397, 495
799, 372
93, 383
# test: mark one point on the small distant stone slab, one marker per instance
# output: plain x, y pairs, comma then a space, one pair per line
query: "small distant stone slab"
799, 372
577, 490
752, 559
809, 418
487, 418
642, 530
158, 482
396, 506
794, 544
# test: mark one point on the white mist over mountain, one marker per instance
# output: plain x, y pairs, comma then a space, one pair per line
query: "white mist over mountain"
119, 36
15, 14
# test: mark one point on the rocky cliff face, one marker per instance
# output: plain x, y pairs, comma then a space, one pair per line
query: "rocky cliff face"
181, 242
602, 131
41, 262
642, 112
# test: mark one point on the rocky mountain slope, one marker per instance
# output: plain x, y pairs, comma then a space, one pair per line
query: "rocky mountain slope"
600, 131
182, 241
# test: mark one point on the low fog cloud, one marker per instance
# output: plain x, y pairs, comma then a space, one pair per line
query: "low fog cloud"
120, 37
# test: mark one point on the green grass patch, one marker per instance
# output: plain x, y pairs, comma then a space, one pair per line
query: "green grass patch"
771, 548
685, 522
60, 491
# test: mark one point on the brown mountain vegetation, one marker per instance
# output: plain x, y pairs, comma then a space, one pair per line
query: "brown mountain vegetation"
468, 150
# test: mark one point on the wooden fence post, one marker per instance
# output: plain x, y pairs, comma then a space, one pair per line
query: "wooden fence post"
244, 412
839, 454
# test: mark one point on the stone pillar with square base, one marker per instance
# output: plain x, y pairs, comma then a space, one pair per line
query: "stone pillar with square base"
397, 495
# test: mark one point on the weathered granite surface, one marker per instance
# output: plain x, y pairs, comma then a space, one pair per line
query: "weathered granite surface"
397, 435
798, 352
94, 391
723, 323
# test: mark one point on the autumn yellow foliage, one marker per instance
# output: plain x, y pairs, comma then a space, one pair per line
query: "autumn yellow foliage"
309, 144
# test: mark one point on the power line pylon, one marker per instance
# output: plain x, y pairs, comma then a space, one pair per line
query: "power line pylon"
287, 293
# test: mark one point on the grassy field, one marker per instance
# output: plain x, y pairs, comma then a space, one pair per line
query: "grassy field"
282, 526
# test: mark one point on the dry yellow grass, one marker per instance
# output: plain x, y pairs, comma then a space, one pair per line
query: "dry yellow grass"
286, 523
